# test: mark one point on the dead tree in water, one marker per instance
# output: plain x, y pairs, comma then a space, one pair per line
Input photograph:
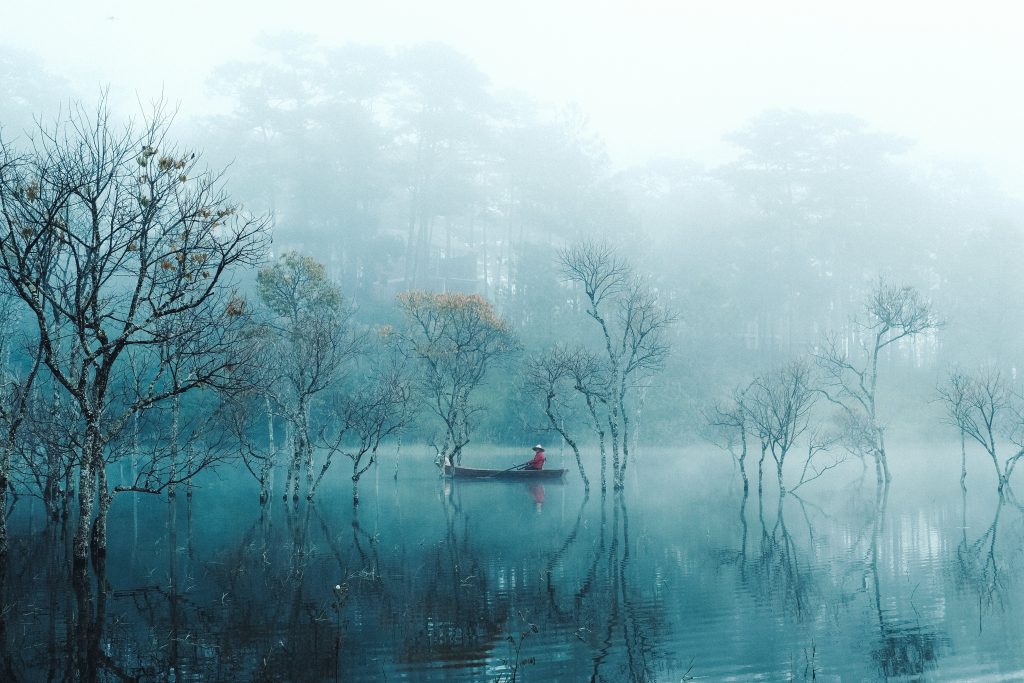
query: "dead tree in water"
778, 406
359, 421
552, 375
312, 342
982, 407
15, 395
109, 234
633, 327
452, 340
892, 313
728, 422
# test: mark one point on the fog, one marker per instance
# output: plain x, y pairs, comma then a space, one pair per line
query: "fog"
653, 78
760, 164
701, 251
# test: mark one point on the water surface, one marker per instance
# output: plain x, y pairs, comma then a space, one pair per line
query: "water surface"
682, 575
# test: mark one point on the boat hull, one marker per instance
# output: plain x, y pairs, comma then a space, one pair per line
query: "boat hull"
514, 475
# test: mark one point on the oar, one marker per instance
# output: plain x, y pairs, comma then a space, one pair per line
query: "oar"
514, 467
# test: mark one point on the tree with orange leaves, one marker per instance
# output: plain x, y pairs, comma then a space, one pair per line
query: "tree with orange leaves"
454, 339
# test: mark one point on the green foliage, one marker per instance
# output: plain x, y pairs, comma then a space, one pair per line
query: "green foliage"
297, 285
454, 339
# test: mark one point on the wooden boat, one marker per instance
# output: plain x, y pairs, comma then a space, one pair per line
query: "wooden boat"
515, 475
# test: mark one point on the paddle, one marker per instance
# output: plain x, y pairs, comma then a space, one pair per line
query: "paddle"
515, 467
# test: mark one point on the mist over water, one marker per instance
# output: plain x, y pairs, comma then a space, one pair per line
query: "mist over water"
750, 273
475, 580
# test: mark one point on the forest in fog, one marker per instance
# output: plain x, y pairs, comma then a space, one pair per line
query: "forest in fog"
365, 247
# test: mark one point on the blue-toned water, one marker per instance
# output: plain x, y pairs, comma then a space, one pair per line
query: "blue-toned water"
680, 576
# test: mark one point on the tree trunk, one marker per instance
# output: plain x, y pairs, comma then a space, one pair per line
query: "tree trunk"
760, 470
175, 431
99, 536
881, 455
778, 468
560, 428
5, 469
267, 468
308, 455
743, 466
963, 461
613, 427
398, 456
625, 439
600, 442
86, 492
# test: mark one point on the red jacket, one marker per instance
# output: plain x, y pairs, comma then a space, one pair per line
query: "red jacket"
538, 461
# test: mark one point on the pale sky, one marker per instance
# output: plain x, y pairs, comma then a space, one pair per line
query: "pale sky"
655, 78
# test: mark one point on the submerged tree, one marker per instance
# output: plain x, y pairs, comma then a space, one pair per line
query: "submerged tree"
116, 240
892, 313
728, 422
551, 375
47, 447
359, 420
312, 343
983, 408
453, 339
15, 397
633, 327
778, 406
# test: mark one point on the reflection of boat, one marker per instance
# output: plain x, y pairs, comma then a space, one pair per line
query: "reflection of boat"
517, 475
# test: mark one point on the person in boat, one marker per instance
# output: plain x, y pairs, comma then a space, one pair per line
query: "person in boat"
538, 459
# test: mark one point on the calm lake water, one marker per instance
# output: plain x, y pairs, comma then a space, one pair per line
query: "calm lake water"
680, 576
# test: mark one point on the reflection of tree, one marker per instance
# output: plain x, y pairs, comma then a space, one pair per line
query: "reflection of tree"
617, 621
904, 648
777, 567
562, 614
272, 605
452, 613
6, 655
978, 567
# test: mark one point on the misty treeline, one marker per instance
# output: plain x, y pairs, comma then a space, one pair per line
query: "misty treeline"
150, 335
452, 264
810, 253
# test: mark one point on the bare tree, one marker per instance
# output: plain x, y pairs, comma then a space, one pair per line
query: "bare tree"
954, 394
243, 416
729, 422
590, 380
453, 339
177, 450
15, 395
552, 375
313, 343
983, 408
778, 406
360, 420
110, 234
47, 448
633, 329
819, 442
892, 313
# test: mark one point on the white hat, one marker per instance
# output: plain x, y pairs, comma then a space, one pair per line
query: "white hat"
538, 447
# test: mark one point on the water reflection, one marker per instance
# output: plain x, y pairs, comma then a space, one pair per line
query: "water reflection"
903, 648
472, 581
979, 568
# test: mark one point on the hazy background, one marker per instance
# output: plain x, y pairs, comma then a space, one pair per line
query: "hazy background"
762, 164
653, 78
